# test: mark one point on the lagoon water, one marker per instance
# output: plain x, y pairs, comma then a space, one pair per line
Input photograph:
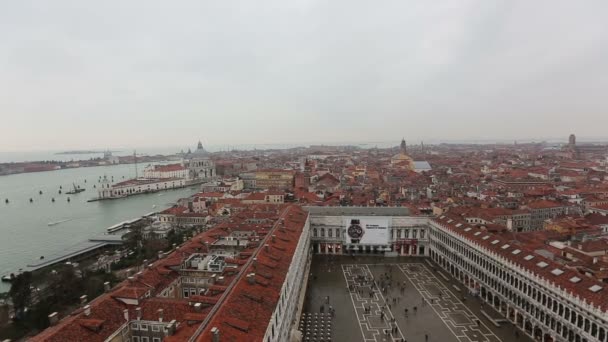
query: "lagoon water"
25, 234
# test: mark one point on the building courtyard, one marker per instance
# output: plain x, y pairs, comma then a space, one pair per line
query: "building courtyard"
373, 299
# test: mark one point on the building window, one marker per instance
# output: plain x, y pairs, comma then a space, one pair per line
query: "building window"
144, 339
155, 328
398, 233
314, 232
330, 233
134, 326
143, 327
422, 231
135, 338
155, 339
322, 232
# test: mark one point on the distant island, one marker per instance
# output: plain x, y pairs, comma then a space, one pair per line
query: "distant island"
84, 152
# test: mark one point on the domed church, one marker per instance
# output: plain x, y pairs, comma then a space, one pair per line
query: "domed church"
402, 159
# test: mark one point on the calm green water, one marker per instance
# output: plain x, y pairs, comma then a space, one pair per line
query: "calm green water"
24, 231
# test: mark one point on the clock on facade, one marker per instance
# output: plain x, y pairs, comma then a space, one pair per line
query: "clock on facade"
355, 231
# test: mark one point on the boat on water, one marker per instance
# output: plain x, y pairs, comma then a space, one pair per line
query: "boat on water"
58, 222
76, 190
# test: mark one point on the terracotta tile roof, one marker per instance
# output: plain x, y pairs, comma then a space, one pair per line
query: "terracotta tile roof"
495, 243
246, 311
106, 314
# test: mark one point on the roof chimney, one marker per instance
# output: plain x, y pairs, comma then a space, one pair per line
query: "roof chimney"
251, 278
215, 333
160, 315
198, 307
161, 254
53, 318
125, 314
267, 248
131, 280
106, 286
138, 313
87, 310
255, 263
83, 299
171, 328
220, 280
273, 237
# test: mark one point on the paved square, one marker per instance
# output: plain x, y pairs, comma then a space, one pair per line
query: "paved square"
396, 299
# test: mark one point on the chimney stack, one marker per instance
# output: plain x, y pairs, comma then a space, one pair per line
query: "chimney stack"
160, 315
220, 280
198, 307
106, 286
215, 333
131, 280
255, 263
138, 313
125, 314
53, 318
273, 237
83, 299
161, 255
251, 278
171, 328
87, 310
267, 248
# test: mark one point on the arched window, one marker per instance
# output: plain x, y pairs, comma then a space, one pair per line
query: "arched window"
322, 232
314, 232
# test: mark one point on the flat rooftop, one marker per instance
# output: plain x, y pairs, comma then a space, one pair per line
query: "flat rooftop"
358, 211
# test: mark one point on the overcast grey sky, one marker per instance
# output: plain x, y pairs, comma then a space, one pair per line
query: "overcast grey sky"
85, 74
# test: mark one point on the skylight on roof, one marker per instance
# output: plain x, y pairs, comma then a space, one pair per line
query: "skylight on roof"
477, 233
595, 288
575, 280
505, 246
467, 229
495, 242
458, 225
486, 237
450, 221
442, 217
557, 272
529, 257
542, 264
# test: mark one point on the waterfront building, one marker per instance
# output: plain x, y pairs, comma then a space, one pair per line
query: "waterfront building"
179, 216
199, 163
166, 171
107, 190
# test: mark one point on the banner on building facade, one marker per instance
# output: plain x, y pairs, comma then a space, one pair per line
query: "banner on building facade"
366, 230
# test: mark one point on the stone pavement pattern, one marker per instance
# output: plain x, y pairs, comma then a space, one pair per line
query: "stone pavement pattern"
440, 314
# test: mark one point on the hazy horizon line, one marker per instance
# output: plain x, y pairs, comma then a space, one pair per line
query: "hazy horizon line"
251, 146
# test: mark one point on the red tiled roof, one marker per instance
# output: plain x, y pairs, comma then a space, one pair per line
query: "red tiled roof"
579, 289
245, 313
